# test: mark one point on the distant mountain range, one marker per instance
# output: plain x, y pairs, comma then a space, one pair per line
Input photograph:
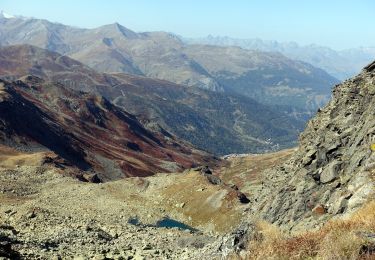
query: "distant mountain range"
340, 64
268, 77
221, 99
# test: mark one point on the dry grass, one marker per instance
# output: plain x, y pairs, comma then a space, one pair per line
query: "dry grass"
338, 239
246, 172
10, 158
205, 205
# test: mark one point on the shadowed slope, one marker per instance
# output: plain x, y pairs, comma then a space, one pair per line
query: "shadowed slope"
88, 131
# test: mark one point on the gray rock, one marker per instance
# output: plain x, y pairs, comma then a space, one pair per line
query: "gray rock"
31, 215
339, 206
215, 180
309, 157
330, 173
332, 165
238, 239
147, 247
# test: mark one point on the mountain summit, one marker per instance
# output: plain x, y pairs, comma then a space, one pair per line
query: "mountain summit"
6, 15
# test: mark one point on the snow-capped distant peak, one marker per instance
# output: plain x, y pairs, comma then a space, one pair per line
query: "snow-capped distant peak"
6, 15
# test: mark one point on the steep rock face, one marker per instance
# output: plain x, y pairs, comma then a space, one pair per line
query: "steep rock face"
87, 131
332, 171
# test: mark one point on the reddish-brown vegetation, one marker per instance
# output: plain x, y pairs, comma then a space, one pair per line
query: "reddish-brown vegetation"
88, 131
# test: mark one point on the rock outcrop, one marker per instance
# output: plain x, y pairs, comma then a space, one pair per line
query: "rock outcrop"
331, 173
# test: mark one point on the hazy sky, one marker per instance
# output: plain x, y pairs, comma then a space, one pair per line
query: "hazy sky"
335, 23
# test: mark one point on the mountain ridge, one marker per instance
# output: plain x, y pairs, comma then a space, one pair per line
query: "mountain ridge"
164, 56
87, 131
220, 123
341, 64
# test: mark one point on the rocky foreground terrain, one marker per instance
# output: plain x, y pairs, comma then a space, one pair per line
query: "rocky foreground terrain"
45, 214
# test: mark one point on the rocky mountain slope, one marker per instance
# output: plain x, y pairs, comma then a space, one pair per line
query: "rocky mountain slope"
86, 131
114, 48
221, 123
316, 201
332, 172
340, 64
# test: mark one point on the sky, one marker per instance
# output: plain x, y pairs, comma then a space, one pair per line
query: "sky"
338, 24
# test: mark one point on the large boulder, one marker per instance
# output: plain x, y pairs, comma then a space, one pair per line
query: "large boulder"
330, 173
